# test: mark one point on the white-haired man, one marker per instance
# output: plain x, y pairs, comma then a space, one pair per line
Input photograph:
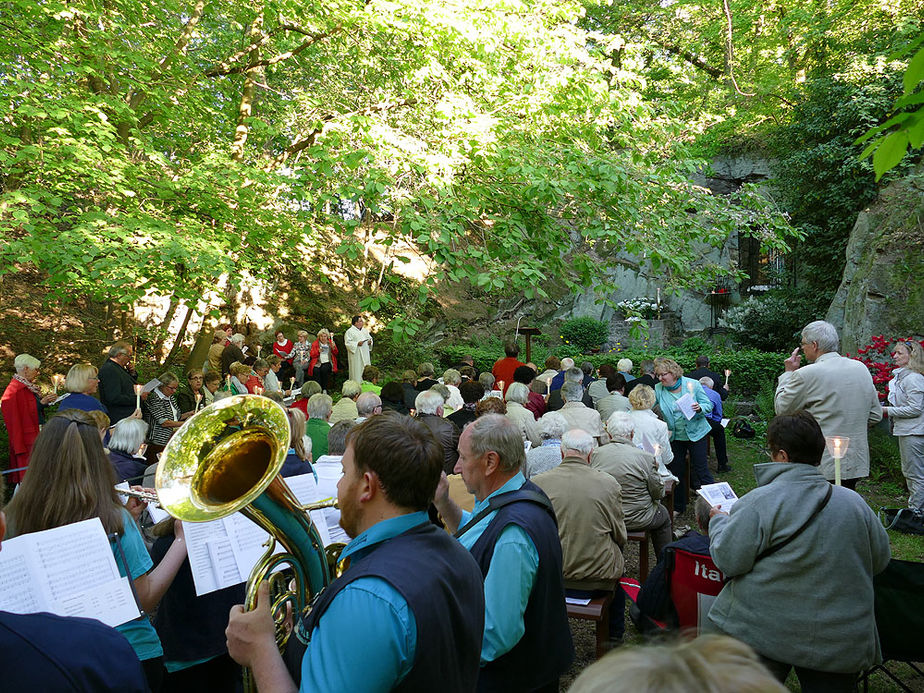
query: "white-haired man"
513, 536
637, 474
588, 506
516, 397
559, 379
837, 391
556, 398
578, 414
429, 406
367, 404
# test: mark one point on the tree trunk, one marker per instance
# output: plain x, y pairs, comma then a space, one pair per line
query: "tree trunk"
165, 326
200, 351
179, 337
245, 109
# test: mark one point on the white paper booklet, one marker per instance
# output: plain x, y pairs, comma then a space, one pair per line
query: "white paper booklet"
223, 552
69, 571
150, 385
685, 405
719, 495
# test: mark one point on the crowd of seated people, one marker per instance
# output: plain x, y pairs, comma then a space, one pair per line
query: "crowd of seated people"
529, 449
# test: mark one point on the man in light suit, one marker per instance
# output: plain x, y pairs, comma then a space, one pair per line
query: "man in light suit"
839, 393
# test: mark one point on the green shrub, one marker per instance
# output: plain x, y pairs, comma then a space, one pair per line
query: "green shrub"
885, 462
585, 333
772, 322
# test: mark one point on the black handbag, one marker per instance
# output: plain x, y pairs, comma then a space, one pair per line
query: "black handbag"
742, 428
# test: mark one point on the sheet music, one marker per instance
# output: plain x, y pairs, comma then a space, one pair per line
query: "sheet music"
211, 557
150, 385
329, 474
111, 602
248, 541
69, 571
19, 592
309, 490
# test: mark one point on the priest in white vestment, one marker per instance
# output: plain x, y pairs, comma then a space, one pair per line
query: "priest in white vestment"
358, 342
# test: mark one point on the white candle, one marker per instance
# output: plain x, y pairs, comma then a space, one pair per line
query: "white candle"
690, 387
138, 396
291, 382
198, 399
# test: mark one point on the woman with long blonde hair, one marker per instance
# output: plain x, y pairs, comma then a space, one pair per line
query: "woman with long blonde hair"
70, 479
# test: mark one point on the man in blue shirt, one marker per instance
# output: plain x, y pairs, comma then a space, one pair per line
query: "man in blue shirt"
407, 613
715, 421
513, 536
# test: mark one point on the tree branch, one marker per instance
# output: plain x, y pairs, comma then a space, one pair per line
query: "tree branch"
226, 68
308, 140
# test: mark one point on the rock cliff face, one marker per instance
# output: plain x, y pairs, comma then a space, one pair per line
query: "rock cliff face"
882, 290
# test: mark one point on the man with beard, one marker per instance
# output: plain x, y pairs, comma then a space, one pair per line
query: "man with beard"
407, 612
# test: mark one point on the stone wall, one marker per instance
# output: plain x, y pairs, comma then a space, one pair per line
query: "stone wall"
882, 290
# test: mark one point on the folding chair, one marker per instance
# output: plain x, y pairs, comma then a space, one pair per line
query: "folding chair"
899, 593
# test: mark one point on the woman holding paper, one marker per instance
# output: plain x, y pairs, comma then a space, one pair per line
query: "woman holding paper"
70, 479
684, 406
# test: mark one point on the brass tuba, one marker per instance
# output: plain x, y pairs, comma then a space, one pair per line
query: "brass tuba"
227, 458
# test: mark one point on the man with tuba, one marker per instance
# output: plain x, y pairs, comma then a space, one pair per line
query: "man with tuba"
407, 613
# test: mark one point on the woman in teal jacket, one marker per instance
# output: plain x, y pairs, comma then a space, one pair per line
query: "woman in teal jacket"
687, 435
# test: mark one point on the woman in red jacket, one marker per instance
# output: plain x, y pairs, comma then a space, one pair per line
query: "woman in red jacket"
323, 359
22, 405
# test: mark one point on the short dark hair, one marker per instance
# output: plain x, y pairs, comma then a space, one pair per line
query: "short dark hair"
355, 318
587, 368
606, 370
552, 363
468, 372
524, 374
617, 381
337, 435
702, 362
471, 391
403, 453
799, 435
511, 348
392, 391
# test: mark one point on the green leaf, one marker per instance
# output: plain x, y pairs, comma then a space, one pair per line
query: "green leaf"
890, 152
914, 73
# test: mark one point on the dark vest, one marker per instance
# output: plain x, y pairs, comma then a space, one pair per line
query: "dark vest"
545, 651
444, 589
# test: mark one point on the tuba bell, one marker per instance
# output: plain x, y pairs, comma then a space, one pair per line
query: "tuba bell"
226, 458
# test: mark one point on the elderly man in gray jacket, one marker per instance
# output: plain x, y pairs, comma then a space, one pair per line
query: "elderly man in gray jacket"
837, 391
637, 474
800, 555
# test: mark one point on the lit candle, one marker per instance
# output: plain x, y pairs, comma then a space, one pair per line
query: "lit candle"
198, 399
500, 385
138, 389
259, 349
258, 390
291, 382
837, 446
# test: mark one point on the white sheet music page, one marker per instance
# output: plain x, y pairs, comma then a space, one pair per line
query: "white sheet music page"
73, 572
309, 490
20, 591
211, 557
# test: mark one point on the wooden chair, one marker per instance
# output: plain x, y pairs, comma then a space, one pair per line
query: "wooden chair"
598, 610
642, 539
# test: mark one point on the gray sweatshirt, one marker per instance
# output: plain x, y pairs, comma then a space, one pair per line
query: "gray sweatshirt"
810, 603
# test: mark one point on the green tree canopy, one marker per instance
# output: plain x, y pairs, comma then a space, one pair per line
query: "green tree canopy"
161, 145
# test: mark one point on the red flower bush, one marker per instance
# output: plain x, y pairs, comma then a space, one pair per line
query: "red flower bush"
877, 356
